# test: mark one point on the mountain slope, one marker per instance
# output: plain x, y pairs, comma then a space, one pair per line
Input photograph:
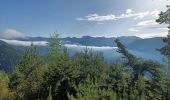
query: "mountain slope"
8, 57
87, 40
90, 41
146, 48
2, 42
126, 40
147, 45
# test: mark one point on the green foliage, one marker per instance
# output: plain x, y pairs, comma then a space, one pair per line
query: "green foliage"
92, 64
27, 78
146, 74
55, 46
8, 57
64, 71
5, 93
131, 59
4, 77
165, 51
91, 90
84, 76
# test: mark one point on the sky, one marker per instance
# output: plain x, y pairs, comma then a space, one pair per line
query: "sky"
76, 18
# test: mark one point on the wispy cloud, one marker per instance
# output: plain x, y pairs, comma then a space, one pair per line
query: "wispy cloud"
45, 43
153, 34
128, 14
11, 34
155, 13
25, 43
147, 23
133, 30
90, 47
148, 29
98, 18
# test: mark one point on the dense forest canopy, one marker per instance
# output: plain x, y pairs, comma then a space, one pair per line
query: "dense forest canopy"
86, 75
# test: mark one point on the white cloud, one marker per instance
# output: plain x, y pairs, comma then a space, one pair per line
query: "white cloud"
155, 13
25, 43
96, 17
154, 34
11, 34
140, 15
163, 29
128, 14
129, 11
90, 47
45, 43
100, 23
147, 23
133, 30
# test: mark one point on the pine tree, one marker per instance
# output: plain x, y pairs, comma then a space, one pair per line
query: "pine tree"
131, 59
5, 93
27, 77
61, 73
91, 90
139, 68
164, 17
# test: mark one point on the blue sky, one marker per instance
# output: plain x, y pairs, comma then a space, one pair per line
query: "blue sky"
109, 18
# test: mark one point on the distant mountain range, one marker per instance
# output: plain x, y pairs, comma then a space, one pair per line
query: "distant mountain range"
87, 40
10, 50
3, 43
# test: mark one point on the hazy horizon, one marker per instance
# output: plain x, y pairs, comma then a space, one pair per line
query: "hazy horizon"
77, 18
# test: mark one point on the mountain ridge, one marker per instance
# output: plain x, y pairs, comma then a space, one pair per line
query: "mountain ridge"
9, 57
87, 40
145, 48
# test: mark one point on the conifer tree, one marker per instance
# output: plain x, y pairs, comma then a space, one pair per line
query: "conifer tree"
91, 90
5, 93
164, 17
27, 77
61, 74
140, 67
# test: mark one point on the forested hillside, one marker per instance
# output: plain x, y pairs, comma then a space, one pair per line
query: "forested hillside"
84, 49
84, 76
8, 57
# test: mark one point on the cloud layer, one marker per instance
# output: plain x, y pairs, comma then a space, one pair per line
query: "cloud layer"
25, 43
147, 23
133, 30
45, 43
90, 47
151, 35
11, 34
128, 14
